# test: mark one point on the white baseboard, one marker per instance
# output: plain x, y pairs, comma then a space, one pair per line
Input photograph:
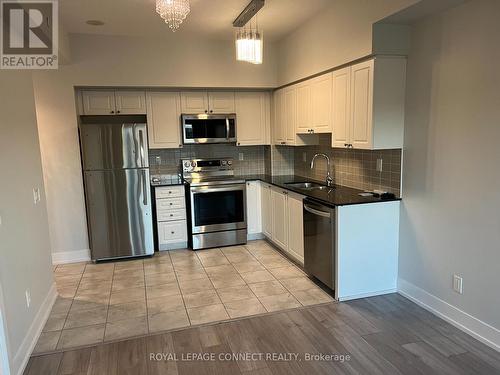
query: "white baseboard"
20, 359
478, 329
71, 256
366, 295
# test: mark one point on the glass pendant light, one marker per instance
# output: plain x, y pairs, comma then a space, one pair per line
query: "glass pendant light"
249, 44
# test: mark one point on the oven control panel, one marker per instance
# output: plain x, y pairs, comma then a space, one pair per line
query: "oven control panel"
206, 165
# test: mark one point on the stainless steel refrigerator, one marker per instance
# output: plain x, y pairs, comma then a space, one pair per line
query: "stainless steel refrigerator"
117, 193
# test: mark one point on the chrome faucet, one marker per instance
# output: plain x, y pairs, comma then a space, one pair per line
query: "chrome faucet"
329, 179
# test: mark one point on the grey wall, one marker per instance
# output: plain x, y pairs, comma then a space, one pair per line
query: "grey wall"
25, 261
450, 220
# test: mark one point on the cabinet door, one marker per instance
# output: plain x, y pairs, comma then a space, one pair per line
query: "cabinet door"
254, 217
172, 232
361, 105
221, 102
280, 218
295, 227
194, 102
252, 118
98, 102
304, 108
341, 107
321, 103
130, 102
290, 114
277, 128
267, 210
164, 120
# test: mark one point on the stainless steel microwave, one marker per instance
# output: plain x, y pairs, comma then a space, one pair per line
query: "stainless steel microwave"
208, 128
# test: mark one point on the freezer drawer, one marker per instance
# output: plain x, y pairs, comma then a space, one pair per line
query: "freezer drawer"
319, 242
119, 213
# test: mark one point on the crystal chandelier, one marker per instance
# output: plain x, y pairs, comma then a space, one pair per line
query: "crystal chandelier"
173, 12
249, 45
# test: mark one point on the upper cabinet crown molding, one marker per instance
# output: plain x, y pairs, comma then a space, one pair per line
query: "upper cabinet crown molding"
368, 104
111, 102
211, 102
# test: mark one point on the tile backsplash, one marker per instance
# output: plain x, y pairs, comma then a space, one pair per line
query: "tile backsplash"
167, 161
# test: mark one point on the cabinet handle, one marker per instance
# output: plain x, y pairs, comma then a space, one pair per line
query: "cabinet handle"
170, 192
346, 144
171, 215
117, 111
211, 111
180, 146
239, 143
112, 112
206, 111
172, 232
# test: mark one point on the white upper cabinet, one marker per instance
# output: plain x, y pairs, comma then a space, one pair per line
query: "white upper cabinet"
130, 102
100, 102
289, 114
195, 102
341, 107
278, 130
304, 108
321, 103
221, 102
368, 104
253, 117
164, 119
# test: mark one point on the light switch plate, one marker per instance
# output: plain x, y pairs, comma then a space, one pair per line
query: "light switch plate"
458, 284
241, 156
379, 165
36, 195
304, 157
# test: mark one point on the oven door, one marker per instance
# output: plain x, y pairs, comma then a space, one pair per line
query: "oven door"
218, 208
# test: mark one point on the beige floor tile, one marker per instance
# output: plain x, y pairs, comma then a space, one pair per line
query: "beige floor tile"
245, 307
129, 265
127, 283
193, 266
55, 322
267, 288
203, 298
240, 258
94, 286
71, 338
259, 245
69, 280
66, 292
206, 314
98, 276
127, 310
61, 305
47, 342
209, 253
126, 273
187, 262
185, 275
182, 253
220, 270
128, 295
193, 286
298, 283
168, 320
227, 280
101, 298
165, 304
163, 290
257, 276
233, 249
312, 296
162, 257
160, 278
279, 302
214, 261
248, 266
95, 268
288, 272
84, 318
126, 328
235, 293
162, 268
68, 269
79, 305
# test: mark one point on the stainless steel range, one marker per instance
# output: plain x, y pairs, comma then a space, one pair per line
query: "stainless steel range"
216, 204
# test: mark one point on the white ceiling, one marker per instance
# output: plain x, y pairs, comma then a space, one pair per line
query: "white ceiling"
208, 18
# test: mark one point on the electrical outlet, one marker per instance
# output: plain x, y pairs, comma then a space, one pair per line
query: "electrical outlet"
458, 284
379, 165
28, 298
158, 160
241, 156
304, 157
36, 195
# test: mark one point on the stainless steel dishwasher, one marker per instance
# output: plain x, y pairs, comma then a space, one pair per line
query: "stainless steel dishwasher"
319, 241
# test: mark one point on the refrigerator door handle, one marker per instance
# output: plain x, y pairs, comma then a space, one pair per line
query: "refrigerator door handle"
141, 145
144, 187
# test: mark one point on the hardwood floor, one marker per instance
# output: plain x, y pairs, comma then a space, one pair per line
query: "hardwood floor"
379, 335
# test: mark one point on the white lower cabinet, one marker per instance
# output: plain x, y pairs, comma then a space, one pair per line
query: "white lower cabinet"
295, 226
266, 209
254, 212
280, 217
171, 217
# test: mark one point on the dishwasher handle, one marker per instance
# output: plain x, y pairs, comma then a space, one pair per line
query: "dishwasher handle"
316, 212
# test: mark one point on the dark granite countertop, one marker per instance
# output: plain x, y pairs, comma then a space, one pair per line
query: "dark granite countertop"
339, 196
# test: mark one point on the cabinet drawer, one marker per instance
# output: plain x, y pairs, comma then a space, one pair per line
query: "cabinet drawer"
172, 232
170, 203
169, 191
169, 215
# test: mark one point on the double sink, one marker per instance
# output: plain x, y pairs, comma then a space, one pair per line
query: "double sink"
308, 186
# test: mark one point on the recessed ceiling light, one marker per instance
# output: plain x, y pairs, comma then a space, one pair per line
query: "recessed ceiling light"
94, 22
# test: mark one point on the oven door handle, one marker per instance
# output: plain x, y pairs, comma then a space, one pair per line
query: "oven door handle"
213, 189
